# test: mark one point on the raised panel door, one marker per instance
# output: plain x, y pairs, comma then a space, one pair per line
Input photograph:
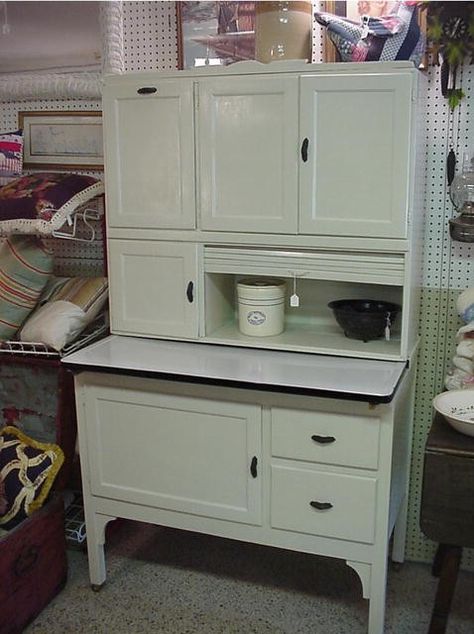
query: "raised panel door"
173, 452
248, 154
153, 288
355, 180
149, 154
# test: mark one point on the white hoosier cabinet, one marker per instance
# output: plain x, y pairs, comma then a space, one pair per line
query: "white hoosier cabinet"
301, 440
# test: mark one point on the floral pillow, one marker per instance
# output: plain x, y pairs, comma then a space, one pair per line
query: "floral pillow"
40, 203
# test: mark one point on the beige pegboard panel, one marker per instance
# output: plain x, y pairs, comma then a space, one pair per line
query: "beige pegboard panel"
9, 110
318, 36
461, 269
435, 244
150, 36
447, 264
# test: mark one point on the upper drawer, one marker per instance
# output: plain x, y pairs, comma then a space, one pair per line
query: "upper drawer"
326, 437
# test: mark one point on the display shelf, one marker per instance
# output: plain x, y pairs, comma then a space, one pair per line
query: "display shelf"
321, 338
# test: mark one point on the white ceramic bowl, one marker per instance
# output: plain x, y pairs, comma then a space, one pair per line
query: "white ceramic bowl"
457, 406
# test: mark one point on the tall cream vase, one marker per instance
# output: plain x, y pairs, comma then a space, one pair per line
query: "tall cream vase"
283, 31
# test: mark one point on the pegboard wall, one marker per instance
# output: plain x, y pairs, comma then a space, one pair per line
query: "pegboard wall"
150, 43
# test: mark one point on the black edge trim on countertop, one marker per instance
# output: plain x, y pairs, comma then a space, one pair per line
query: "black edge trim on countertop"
247, 385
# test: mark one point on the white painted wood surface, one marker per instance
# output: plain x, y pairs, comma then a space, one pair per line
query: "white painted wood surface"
363, 378
200, 457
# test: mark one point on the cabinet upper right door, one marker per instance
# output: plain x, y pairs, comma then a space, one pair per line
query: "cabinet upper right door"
355, 179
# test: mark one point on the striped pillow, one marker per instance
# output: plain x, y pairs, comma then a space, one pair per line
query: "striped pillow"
89, 293
69, 308
25, 266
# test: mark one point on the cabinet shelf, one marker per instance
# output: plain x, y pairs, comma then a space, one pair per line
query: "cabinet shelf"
321, 338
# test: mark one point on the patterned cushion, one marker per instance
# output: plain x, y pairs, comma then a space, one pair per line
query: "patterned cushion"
11, 156
28, 469
3, 499
25, 266
394, 36
40, 203
69, 309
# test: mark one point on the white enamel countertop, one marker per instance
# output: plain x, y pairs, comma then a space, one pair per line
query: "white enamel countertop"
260, 368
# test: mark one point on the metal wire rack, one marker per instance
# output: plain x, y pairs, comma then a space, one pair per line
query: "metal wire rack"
96, 330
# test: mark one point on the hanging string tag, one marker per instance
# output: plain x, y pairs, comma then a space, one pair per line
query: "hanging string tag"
294, 299
388, 323
365, 27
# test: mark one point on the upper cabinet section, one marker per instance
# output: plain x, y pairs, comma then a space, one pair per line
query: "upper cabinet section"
315, 150
149, 154
354, 174
248, 164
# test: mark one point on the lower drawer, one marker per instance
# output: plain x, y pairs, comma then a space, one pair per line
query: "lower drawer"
323, 503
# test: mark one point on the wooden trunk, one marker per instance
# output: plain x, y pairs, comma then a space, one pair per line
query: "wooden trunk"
33, 566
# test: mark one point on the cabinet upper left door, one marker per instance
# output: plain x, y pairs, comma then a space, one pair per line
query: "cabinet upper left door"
149, 153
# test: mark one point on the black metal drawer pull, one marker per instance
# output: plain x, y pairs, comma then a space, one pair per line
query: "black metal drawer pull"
321, 506
323, 440
253, 467
190, 292
304, 149
147, 90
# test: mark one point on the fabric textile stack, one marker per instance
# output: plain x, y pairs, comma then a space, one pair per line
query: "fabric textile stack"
462, 373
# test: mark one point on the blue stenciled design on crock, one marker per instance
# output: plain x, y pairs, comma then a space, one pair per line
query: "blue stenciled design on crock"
466, 412
256, 318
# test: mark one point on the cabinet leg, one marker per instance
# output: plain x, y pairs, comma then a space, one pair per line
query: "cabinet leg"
378, 586
374, 583
448, 575
95, 529
400, 533
439, 559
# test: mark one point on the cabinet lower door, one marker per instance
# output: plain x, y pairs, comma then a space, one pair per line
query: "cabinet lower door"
248, 155
153, 288
174, 452
149, 154
354, 181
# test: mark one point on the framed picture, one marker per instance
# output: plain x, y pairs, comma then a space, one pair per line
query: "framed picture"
215, 33
353, 10
69, 140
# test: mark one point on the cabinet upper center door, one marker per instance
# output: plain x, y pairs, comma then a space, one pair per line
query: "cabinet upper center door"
356, 179
248, 154
150, 154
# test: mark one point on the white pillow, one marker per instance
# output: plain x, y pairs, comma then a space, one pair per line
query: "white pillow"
55, 324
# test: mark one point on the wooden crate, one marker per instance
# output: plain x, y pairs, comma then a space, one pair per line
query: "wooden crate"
33, 566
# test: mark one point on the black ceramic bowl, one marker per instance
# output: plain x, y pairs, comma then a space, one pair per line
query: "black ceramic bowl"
364, 319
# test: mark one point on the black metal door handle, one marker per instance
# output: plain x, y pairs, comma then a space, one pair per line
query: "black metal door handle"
323, 440
190, 292
253, 467
304, 149
147, 90
321, 506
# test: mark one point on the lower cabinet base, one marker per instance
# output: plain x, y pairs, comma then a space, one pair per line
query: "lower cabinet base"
371, 567
317, 475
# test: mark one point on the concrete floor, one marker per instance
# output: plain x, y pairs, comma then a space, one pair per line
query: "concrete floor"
172, 582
